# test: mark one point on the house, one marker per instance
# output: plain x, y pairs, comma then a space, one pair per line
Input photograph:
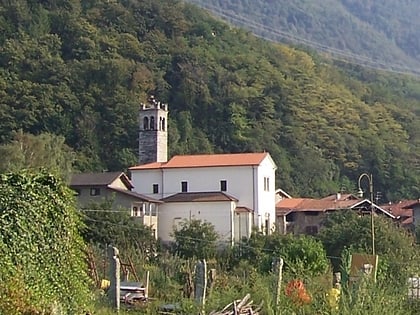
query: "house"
234, 192
305, 215
114, 187
415, 206
402, 212
281, 194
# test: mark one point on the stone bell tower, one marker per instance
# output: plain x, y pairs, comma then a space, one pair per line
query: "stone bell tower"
153, 134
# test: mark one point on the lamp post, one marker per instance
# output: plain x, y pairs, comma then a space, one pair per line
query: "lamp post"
360, 193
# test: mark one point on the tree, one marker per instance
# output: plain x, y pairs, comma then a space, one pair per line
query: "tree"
195, 239
302, 255
350, 232
40, 246
45, 151
105, 226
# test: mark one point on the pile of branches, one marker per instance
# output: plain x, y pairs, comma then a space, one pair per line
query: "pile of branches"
239, 307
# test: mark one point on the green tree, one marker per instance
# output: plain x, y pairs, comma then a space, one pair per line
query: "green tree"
106, 226
302, 255
195, 239
350, 232
45, 151
41, 246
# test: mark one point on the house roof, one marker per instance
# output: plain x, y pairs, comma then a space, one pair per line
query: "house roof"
348, 201
135, 195
401, 208
282, 193
99, 179
243, 209
199, 197
415, 203
207, 160
307, 204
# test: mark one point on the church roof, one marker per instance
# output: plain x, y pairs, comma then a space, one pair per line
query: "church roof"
207, 160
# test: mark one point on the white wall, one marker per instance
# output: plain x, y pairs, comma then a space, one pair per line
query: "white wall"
220, 214
266, 200
143, 181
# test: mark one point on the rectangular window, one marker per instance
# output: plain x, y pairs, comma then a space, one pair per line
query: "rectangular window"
223, 185
155, 188
266, 184
184, 186
135, 211
95, 191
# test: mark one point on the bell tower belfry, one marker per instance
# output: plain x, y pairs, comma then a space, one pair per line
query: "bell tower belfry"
153, 134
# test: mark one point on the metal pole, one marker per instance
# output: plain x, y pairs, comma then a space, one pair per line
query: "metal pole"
372, 225
372, 222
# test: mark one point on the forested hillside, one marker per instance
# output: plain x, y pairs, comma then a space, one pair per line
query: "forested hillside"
382, 34
80, 69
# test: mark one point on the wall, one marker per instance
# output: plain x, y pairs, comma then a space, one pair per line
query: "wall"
266, 199
143, 182
304, 220
220, 214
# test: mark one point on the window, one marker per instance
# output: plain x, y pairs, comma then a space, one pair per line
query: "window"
163, 124
223, 185
266, 184
95, 191
311, 230
152, 123
135, 211
155, 188
145, 123
184, 186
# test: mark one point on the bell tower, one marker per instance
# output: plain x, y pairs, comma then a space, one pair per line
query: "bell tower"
153, 134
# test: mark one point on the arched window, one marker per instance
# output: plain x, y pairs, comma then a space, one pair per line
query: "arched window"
152, 123
163, 124
145, 123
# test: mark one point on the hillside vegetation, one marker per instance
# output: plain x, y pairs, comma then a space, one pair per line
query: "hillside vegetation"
378, 33
79, 69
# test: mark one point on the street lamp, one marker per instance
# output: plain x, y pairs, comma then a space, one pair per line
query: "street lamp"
360, 193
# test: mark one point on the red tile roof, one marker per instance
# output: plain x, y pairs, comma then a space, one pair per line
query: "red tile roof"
400, 208
285, 206
307, 204
207, 160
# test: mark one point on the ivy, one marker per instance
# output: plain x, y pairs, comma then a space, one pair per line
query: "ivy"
40, 242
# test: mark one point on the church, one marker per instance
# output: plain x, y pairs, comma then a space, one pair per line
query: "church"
234, 192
